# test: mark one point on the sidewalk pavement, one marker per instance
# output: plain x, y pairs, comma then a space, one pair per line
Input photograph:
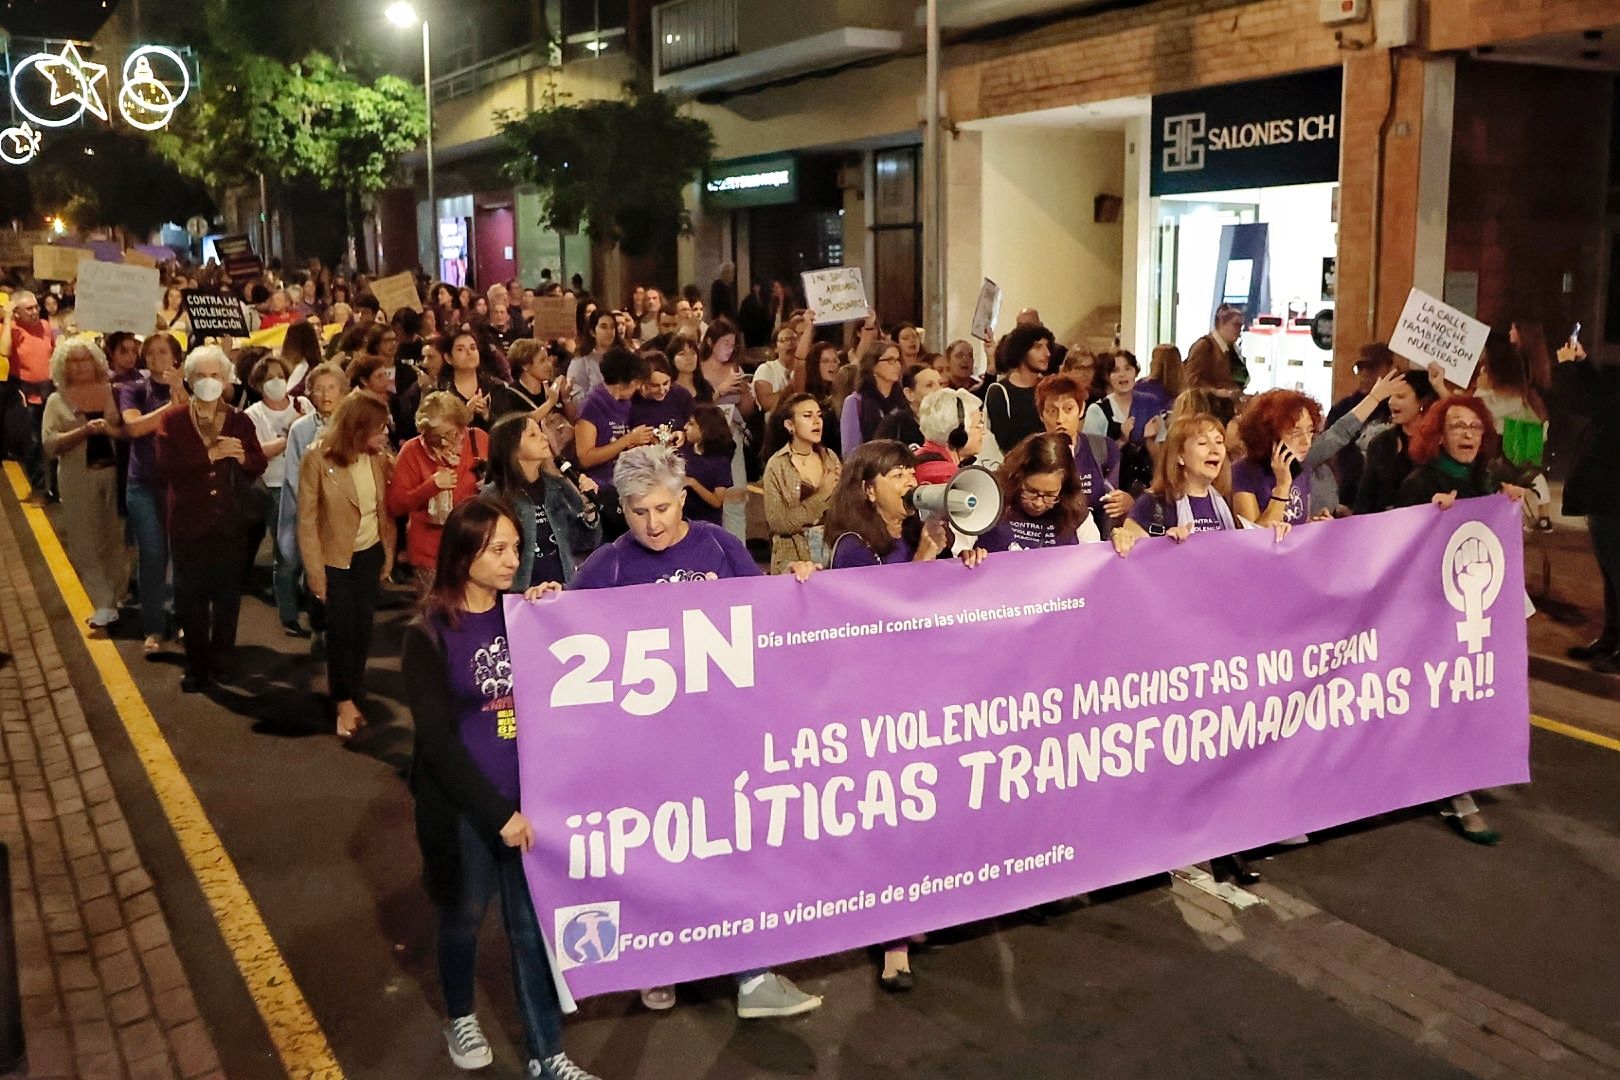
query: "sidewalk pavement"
104, 994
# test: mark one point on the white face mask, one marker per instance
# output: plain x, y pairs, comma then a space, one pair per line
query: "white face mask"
275, 389
207, 389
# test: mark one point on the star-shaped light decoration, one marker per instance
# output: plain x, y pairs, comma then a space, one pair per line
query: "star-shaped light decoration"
19, 145
74, 78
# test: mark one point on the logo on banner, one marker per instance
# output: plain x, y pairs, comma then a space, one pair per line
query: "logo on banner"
1184, 142
1471, 574
587, 934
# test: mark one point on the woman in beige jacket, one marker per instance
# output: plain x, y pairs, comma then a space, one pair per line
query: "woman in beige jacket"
798, 482
346, 539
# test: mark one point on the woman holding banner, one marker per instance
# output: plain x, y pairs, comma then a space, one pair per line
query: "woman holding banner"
458, 679
1454, 447
872, 523
663, 545
1043, 502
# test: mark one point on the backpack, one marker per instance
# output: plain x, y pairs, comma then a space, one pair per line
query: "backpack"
1135, 463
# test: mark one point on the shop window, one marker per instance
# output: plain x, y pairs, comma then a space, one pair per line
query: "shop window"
897, 229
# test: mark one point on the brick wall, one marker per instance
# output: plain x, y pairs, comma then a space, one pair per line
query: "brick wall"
1159, 48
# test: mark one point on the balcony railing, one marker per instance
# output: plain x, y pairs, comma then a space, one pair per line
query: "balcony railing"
692, 32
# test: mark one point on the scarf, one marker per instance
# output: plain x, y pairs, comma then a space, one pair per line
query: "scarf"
443, 500
1184, 510
1451, 467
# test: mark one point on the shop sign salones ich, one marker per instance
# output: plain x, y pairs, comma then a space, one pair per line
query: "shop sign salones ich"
1257, 134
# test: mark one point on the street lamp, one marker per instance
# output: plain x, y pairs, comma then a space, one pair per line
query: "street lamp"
402, 13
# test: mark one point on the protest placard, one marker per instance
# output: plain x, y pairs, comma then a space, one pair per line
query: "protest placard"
113, 296
138, 258
555, 317
1431, 331
395, 292
836, 295
987, 310
236, 254
214, 314
729, 775
53, 262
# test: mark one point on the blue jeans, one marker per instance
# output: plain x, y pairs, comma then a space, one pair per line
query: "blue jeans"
488, 866
151, 554
284, 580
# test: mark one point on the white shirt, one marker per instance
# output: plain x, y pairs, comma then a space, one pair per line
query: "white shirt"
271, 424
774, 374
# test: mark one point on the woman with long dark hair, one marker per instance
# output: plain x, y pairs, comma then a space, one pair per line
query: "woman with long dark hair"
877, 395
1042, 500
1389, 459
799, 482
458, 680
555, 521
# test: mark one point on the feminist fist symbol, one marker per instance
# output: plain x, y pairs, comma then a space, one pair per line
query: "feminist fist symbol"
1471, 572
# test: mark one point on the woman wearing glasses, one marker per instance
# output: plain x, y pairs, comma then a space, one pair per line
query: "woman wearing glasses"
1284, 455
1042, 500
1453, 447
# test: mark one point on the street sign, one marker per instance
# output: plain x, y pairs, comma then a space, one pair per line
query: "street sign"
196, 226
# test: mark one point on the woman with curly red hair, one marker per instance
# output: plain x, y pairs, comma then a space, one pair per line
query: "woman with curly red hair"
1453, 447
1284, 457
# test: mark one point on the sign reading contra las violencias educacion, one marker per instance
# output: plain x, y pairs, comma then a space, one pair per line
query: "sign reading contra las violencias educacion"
727, 775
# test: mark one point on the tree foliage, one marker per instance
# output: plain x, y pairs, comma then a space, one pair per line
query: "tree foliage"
113, 179
618, 167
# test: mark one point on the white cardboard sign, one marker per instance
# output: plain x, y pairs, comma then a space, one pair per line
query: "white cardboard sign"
116, 296
1430, 331
987, 310
398, 291
836, 295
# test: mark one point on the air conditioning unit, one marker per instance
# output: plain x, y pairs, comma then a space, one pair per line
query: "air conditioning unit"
1338, 12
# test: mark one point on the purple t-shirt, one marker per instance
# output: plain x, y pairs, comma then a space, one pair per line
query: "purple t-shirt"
1094, 474
1258, 481
712, 471
675, 410
1017, 531
1203, 509
707, 552
850, 550
612, 419
144, 395
480, 668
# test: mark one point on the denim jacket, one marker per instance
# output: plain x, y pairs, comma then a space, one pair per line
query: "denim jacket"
564, 507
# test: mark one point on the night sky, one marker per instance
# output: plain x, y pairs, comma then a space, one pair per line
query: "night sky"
54, 18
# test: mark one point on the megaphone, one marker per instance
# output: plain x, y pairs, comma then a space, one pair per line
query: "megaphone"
970, 503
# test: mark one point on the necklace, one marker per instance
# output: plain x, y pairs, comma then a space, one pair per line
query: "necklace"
807, 453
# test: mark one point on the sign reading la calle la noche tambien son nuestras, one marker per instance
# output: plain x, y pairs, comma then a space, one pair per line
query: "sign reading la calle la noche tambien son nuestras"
1254, 134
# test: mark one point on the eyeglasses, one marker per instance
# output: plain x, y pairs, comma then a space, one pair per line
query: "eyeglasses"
1031, 495
1300, 433
1465, 427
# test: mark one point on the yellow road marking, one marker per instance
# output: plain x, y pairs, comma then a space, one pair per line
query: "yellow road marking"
297, 1035
1576, 732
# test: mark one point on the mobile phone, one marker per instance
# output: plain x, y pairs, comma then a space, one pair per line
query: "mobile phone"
1575, 334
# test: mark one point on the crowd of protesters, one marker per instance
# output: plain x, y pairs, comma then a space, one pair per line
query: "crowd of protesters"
449, 454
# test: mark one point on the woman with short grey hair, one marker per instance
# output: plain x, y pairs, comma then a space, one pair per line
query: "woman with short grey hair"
80, 423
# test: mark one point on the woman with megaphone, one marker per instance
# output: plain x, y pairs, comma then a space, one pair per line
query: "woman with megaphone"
872, 522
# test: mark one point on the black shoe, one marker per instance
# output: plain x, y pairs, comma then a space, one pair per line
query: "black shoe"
1233, 869
898, 983
1592, 650
1607, 665
194, 684
294, 630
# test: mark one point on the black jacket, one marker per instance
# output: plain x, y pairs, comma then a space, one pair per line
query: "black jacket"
447, 783
1584, 437
1427, 481
1388, 464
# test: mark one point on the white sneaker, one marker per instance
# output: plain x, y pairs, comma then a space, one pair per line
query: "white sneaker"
774, 996
468, 1047
103, 617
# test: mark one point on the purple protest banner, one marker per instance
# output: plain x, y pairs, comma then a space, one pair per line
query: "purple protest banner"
733, 774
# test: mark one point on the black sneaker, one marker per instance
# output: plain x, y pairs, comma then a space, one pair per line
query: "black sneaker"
292, 629
1592, 650
194, 684
1607, 665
